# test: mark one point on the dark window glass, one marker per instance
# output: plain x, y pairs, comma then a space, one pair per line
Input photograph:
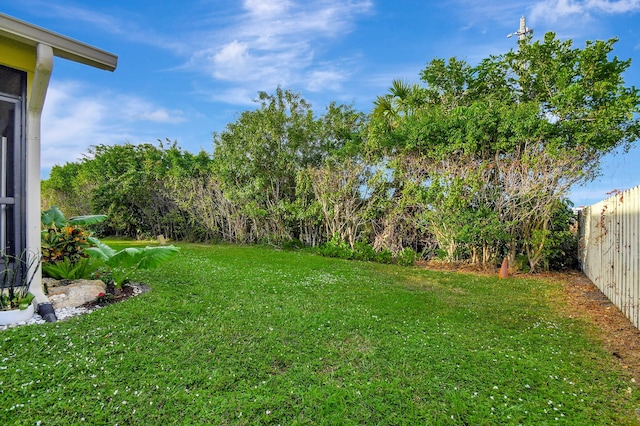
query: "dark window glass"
12, 160
11, 81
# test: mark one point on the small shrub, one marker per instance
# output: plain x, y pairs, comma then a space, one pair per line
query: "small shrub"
104, 298
361, 250
384, 256
441, 254
364, 251
66, 243
406, 257
522, 263
83, 269
335, 247
293, 244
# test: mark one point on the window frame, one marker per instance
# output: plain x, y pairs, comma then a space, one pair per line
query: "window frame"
14, 229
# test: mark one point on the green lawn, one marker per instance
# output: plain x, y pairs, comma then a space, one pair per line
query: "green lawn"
248, 335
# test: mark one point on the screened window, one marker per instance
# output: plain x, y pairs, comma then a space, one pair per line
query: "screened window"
12, 161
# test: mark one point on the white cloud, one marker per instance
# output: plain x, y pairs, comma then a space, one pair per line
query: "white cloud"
235, 96
76, 117
552, 10
555, 10
622, 6
101, 21
161, 115
233, 62
322, 80
278, 43
264, 8
254, 45
136, 109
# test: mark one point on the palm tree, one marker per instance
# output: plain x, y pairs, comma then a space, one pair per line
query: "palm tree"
402, 100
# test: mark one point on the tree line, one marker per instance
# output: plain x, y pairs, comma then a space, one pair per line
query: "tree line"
473, 163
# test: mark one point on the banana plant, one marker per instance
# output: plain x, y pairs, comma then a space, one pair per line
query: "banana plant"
54, 218
123, 262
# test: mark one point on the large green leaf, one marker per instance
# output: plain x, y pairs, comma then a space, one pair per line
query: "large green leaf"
131, 257
26, 301
101, 250
54, 217
125, 258
87, 219
143, 258
152, 257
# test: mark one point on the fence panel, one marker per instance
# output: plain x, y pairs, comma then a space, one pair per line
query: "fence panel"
609, 249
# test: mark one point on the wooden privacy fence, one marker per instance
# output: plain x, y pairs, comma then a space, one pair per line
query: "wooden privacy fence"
609, 249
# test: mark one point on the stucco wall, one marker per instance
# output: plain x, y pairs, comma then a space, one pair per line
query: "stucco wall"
18, 56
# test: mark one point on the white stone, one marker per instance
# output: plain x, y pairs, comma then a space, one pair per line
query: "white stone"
74, 294
68, 312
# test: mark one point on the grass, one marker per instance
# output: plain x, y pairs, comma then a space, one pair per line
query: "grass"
248, 335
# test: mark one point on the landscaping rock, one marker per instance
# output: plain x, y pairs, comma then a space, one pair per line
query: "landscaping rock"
71, 294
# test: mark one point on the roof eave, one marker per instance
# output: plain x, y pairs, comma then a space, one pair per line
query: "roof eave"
63, 47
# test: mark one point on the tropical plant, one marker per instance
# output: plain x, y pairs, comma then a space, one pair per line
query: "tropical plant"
65, 269
122, 263
15, 280
63, 238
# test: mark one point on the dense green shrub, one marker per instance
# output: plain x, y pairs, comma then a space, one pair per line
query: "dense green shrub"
406, 257
336, 247
560, 240
361, 250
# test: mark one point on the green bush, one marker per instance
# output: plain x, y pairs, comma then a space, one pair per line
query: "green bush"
66, 243
406, 257
361, 250
335, 247
384, 256
560, 241
364, 251
293, 244
522, 263
85, 268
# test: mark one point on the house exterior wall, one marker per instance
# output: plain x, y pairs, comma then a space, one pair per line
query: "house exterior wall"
25, 58
18, 56
28, 48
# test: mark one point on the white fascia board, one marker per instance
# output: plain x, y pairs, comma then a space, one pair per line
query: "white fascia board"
63, 47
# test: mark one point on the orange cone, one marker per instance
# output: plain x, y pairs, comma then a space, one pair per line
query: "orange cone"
504, 269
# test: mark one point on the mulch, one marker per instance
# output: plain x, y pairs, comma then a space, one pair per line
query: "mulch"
620, 337
113, 296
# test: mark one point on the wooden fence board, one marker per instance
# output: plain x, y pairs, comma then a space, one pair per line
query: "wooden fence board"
609, 249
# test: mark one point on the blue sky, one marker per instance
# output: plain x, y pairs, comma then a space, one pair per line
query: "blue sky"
188, 68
